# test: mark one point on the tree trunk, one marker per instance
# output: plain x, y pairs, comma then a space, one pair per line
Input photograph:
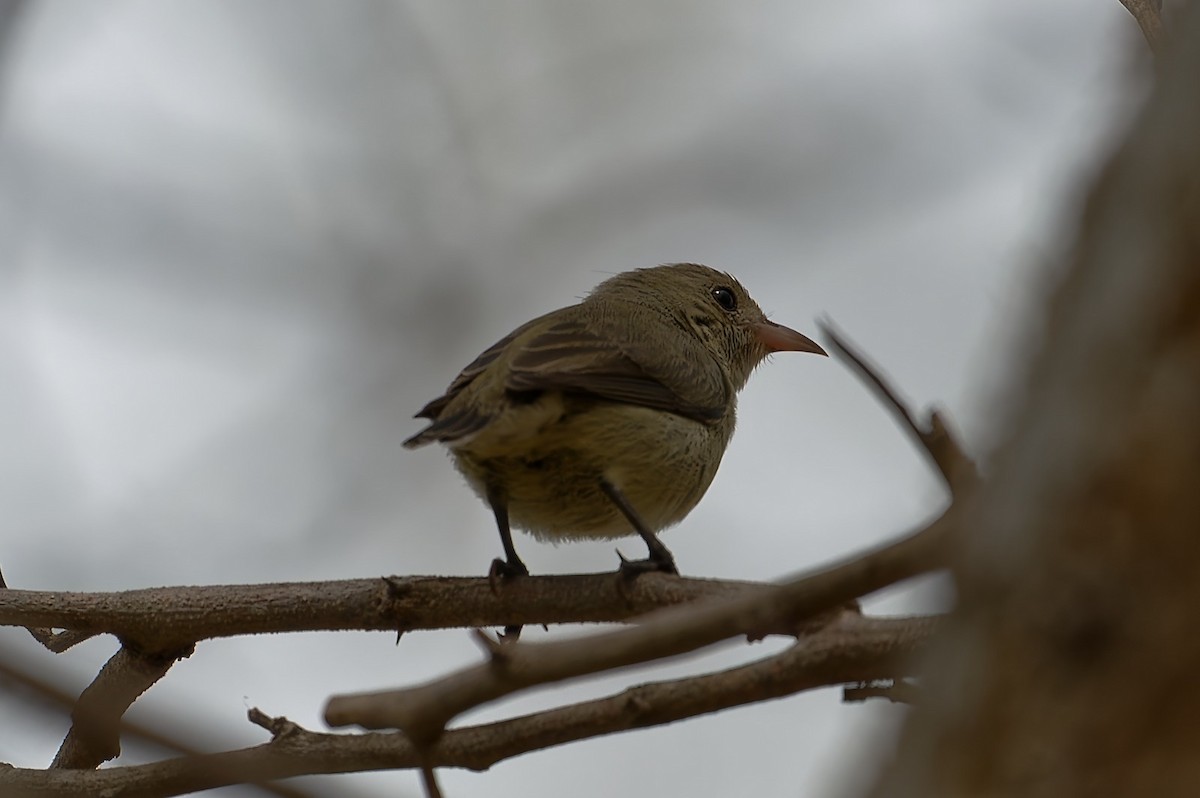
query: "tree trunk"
1073, 667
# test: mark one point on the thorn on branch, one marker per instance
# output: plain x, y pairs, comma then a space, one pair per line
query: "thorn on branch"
429, 780
398, 588
499, 652
58, 642
54, 641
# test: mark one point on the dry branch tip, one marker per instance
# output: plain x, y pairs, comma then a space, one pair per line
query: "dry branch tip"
933, 434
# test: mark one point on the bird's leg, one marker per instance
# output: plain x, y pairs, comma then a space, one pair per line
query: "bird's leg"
660, 558
511, 566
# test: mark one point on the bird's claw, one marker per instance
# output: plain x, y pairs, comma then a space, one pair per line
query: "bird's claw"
631, 569
502, 570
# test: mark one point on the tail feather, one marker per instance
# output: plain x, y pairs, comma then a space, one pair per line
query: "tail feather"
448, 429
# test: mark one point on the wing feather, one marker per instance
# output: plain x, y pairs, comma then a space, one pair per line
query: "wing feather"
620, 359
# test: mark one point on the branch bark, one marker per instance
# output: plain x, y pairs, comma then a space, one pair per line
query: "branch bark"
173, 617
94, 736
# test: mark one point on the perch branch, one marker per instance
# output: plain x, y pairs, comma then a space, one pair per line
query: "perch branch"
164, 618
422, 712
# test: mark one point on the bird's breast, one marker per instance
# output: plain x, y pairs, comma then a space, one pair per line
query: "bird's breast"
548, 458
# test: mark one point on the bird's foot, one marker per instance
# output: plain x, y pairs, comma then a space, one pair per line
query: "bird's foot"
658, 561
503, 570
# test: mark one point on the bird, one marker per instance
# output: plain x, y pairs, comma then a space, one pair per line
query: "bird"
609, 417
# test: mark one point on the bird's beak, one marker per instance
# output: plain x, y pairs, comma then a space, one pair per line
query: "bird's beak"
777, 338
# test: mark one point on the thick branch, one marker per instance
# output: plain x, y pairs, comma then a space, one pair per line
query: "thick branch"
852, 648
423, 712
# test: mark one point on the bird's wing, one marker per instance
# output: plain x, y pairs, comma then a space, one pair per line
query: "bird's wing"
453, 420
433, 409
578, 353
600, 357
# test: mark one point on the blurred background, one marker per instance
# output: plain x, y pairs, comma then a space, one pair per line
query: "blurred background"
244, 241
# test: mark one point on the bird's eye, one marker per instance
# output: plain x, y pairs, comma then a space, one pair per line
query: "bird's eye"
725, 298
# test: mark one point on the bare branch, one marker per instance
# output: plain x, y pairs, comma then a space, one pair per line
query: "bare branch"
94, 736
58, 642
943, 447
853, 648
161, 618
422, 712
164, 618
59, 697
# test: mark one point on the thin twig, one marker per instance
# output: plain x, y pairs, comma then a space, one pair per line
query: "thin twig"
934, 435
58, 642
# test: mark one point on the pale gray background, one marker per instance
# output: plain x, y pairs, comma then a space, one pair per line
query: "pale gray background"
243, 241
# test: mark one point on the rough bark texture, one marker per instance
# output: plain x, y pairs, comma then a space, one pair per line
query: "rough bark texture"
1071, 669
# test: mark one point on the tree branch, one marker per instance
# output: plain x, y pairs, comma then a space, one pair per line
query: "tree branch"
422, 712
96, 719
164, 618
933, 435
851, 648
58, 697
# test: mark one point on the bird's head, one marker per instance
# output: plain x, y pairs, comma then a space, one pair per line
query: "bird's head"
714, 307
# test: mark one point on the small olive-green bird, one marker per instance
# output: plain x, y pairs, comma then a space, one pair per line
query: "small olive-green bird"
609, 417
